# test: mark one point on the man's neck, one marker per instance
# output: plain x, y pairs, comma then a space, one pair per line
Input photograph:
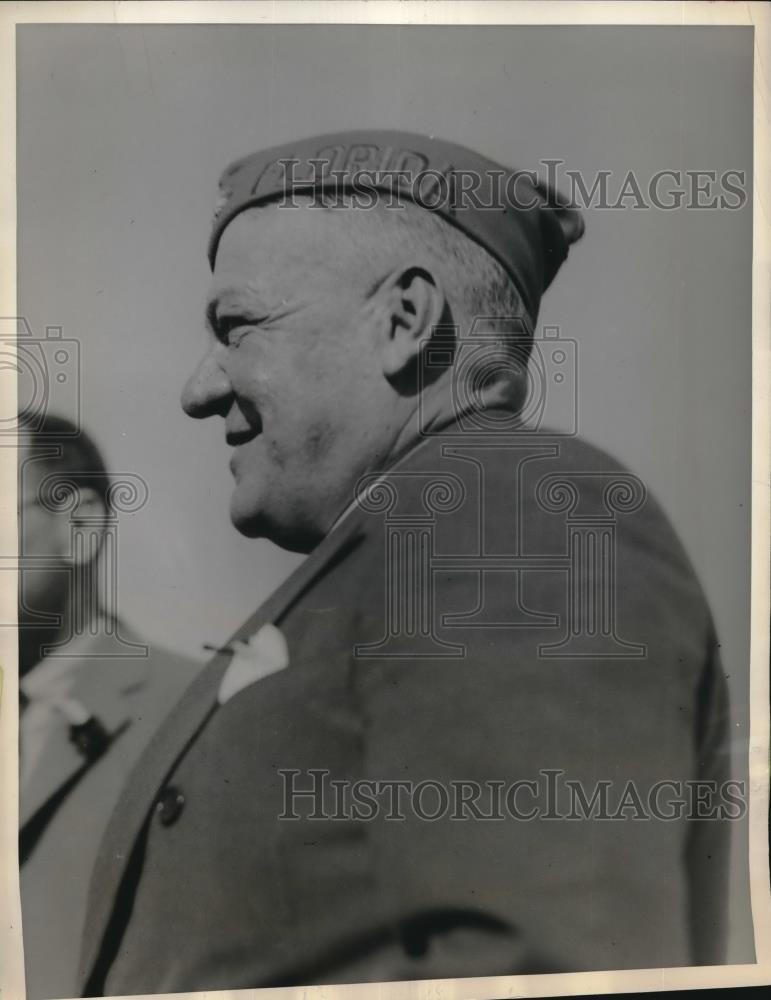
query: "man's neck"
430, 415
436, 410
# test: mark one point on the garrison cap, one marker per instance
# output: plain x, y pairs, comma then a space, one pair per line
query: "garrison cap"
523, 224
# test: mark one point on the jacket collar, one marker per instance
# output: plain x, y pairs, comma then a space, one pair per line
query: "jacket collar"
444, 425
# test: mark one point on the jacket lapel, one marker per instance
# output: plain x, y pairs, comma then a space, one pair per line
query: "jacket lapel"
99, 684
177, 732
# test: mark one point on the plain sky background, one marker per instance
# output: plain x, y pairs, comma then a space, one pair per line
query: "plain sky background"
123, 132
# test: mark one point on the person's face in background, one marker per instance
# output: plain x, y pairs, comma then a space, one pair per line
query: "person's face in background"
47, 557
44, 536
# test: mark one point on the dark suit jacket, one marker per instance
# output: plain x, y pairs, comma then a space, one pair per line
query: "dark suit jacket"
67, 803
434, 636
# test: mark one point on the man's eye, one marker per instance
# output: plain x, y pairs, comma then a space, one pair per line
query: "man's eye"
232, 329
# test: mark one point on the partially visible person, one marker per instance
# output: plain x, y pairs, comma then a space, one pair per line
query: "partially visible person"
91, 693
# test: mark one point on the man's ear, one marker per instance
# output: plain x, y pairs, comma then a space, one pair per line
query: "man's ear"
412, 303
90, 515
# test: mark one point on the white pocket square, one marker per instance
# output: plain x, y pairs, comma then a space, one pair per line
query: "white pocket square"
265, 653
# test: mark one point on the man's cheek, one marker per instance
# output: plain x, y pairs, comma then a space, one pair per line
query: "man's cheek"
318, 441
276, 454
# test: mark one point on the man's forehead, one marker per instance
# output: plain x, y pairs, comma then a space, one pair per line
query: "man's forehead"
273, 247
276, 229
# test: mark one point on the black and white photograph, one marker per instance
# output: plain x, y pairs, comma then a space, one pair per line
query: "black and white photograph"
385, 600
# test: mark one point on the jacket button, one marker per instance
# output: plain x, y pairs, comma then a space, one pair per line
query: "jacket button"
169, 805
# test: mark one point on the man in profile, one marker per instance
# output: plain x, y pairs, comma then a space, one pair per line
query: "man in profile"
91, 692
485, 604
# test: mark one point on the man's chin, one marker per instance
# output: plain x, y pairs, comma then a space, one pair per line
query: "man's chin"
246, 521
281, 530
253, 523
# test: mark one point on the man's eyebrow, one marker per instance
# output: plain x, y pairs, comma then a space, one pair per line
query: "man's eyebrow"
212, 308
211, 315
236, 299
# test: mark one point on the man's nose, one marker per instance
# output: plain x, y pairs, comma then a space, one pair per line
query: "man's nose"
207, 392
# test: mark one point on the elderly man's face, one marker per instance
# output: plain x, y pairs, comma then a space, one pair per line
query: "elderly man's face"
291, 369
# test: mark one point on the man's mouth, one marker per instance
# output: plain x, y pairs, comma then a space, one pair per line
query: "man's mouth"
237, 437
234, 462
